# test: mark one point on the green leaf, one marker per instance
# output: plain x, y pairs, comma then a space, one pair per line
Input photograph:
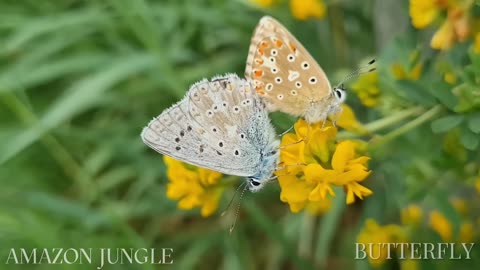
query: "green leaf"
469, 139
416, 92
444, 94
474, 123
446, 123
81, 96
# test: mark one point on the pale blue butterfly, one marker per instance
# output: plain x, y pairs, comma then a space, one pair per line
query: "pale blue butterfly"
220, 125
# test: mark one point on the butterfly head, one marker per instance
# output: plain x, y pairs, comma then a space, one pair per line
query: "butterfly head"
340, 94
254, 184
268, 165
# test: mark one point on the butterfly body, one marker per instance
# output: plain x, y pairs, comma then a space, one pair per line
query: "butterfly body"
221, 125
287, 77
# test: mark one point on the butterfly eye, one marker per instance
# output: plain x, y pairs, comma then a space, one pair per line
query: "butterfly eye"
255, 183
340, 94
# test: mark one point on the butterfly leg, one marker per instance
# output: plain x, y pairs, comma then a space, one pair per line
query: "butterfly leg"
297, 142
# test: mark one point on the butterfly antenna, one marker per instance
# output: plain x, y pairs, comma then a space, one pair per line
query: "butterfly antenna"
231, 200
358, 71
238, 209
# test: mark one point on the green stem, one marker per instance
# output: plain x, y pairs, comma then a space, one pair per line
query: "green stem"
328, 227
377, 125
385, 122
425, 117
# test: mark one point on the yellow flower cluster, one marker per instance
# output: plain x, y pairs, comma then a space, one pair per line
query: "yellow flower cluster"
314, 162
401, 73
412, 215
374, 234
477, 184
193, 187
440, 224
367, 89
456, 27
411, 218
304, 9
301, 9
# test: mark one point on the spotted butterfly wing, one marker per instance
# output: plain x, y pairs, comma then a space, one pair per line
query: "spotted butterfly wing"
221, 125
286, 75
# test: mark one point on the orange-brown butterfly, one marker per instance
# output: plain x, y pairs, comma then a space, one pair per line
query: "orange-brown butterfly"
287, 77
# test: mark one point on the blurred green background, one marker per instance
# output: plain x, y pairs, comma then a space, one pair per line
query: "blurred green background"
80, 79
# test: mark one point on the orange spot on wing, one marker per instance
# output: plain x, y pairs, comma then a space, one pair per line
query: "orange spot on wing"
258, 73
260, 51
263, 45
260, 92
292, 47
278, 43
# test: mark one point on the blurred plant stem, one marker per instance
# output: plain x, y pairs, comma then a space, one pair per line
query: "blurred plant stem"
328, 227
425, 117
385, 122
339, 35
66, 161
306, 235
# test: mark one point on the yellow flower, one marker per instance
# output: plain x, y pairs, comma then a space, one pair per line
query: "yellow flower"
303, 9
441, 225
315, 164
409, 264
411, 215
320, 207
424, 12
193, 187
477, 184
476, 44
263, 3
450, 77
367, 89
444, 38
461, 206
374, 234
456, 27
413, 74
466, 232
348, 121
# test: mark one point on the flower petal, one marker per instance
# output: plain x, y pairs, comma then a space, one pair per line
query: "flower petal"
345, 151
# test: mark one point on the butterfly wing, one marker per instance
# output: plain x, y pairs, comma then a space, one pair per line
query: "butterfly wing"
284, 73
217, 138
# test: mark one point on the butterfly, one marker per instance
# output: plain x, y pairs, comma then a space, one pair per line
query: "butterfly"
287, 77
222, 125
